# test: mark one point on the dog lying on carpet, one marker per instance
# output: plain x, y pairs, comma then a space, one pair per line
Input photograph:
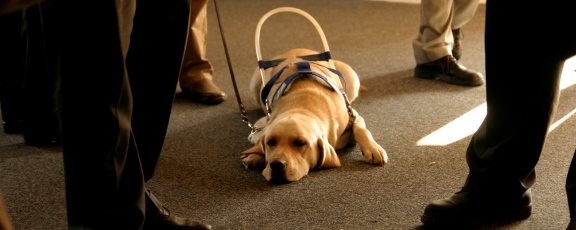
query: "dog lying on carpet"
309, 117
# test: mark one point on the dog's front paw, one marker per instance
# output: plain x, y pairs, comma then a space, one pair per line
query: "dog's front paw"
253, 161
374, 154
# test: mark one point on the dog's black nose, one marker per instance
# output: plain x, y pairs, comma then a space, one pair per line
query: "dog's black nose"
278, 172
278, 166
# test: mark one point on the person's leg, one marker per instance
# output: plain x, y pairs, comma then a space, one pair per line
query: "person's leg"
434, 35
154, 61
197, 72
40, 127
433, 46
108, 155
11, 72
86, 45
521, 102
464, 11
504, 151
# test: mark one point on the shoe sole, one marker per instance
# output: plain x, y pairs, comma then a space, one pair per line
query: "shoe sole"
432, 75
511, 215
202, 99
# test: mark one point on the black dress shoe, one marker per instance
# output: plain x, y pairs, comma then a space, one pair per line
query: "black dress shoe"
448, 70
159, 218
465, 209
205, 92
458, 36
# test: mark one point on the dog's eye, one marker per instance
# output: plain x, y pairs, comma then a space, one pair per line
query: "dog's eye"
271, 142
299, 143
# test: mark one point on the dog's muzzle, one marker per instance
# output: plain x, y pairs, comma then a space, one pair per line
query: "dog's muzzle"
278, 169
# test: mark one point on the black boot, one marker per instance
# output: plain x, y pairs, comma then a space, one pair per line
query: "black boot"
159, 218
464, 208
458, 36
448, 70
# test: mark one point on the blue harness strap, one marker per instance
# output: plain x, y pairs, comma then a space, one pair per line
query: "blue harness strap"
325, 56
302, 68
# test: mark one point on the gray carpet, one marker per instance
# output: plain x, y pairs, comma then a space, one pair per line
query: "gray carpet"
200, 175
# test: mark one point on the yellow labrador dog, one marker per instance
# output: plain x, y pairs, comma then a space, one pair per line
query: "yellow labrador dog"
308, 117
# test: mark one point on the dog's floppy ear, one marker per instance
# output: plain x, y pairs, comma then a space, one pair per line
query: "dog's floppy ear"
327, 155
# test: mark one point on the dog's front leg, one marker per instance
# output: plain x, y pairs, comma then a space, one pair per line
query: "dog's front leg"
253, 160
372, 151
254, 157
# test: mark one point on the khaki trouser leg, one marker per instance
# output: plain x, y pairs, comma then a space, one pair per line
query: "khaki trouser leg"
437, 20
195, 66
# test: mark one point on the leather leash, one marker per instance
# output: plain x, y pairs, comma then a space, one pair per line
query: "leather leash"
240, 105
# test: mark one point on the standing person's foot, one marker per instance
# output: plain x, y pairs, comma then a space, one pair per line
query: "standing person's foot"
447, 69
458, 36
205, 92
159, 218
464, 208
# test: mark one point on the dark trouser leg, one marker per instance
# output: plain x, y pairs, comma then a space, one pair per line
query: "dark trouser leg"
522, 92
40, 123
102, 145
154, 61
505, 149
521, 101
11, 71
86, 46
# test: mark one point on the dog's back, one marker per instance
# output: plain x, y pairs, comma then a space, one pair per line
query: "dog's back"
352, 86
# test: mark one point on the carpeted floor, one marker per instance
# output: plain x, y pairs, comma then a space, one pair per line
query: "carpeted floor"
200, 174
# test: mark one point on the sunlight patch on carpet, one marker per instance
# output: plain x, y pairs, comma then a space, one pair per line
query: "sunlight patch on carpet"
468, 123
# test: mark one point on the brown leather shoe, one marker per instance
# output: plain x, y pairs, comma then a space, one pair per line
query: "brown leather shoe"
205, 92
159, 218
448, 70
464, 208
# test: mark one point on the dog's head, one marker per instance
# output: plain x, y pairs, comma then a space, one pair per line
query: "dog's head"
292, 145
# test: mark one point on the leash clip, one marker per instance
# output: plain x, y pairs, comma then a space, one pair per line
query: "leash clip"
255, 129
268, 109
